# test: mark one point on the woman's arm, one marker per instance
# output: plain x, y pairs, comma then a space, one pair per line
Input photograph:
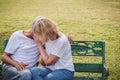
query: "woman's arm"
47, 59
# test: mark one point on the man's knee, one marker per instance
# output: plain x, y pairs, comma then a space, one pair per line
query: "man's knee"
25, 72
25, 75
10, 73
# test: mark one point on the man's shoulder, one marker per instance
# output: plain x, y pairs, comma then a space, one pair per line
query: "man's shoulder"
17, 32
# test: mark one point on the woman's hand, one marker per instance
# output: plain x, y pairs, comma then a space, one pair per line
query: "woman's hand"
37, 40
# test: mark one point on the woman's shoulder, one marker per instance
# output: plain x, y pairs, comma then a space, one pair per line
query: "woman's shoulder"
62, 39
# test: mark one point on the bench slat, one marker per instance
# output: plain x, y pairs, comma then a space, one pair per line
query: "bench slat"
87, 78
88, 67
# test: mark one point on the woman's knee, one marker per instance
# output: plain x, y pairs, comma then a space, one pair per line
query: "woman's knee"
34, 70
50, 77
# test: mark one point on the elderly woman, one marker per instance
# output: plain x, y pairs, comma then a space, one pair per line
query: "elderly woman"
56, 57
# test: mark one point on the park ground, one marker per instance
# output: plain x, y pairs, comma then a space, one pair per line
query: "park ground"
82, 19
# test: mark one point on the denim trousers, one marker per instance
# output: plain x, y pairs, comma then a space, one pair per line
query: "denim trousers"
11, 73
43, 73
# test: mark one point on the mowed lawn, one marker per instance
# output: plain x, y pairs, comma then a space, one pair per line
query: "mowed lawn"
82, 19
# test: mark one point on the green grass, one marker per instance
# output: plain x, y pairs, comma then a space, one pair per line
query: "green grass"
82, 19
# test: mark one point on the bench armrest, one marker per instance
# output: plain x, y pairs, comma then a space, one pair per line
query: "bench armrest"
105, 72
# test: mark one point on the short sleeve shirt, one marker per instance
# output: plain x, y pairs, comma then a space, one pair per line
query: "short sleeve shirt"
61, 48
22, 49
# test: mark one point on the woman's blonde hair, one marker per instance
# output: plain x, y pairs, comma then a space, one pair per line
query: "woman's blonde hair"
44, 28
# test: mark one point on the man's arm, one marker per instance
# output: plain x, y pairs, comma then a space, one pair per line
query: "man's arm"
6, 57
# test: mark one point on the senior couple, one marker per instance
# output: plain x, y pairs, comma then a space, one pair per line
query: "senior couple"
43, 40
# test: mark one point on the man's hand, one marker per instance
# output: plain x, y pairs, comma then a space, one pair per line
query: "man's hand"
20, 65
69, 38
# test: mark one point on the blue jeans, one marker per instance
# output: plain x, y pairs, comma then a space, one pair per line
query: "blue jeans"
11, 73
43, 73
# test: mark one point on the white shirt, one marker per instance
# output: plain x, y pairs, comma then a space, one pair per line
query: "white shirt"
23, 49
61, 48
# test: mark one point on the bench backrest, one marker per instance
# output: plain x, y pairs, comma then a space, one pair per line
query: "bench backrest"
91, 49
5, 43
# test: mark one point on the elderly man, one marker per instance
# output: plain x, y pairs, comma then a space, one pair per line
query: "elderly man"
21, 53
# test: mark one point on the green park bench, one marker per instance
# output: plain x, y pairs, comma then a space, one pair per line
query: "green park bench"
95, 50
83, 50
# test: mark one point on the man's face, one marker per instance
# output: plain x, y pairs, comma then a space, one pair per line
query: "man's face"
31, 33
